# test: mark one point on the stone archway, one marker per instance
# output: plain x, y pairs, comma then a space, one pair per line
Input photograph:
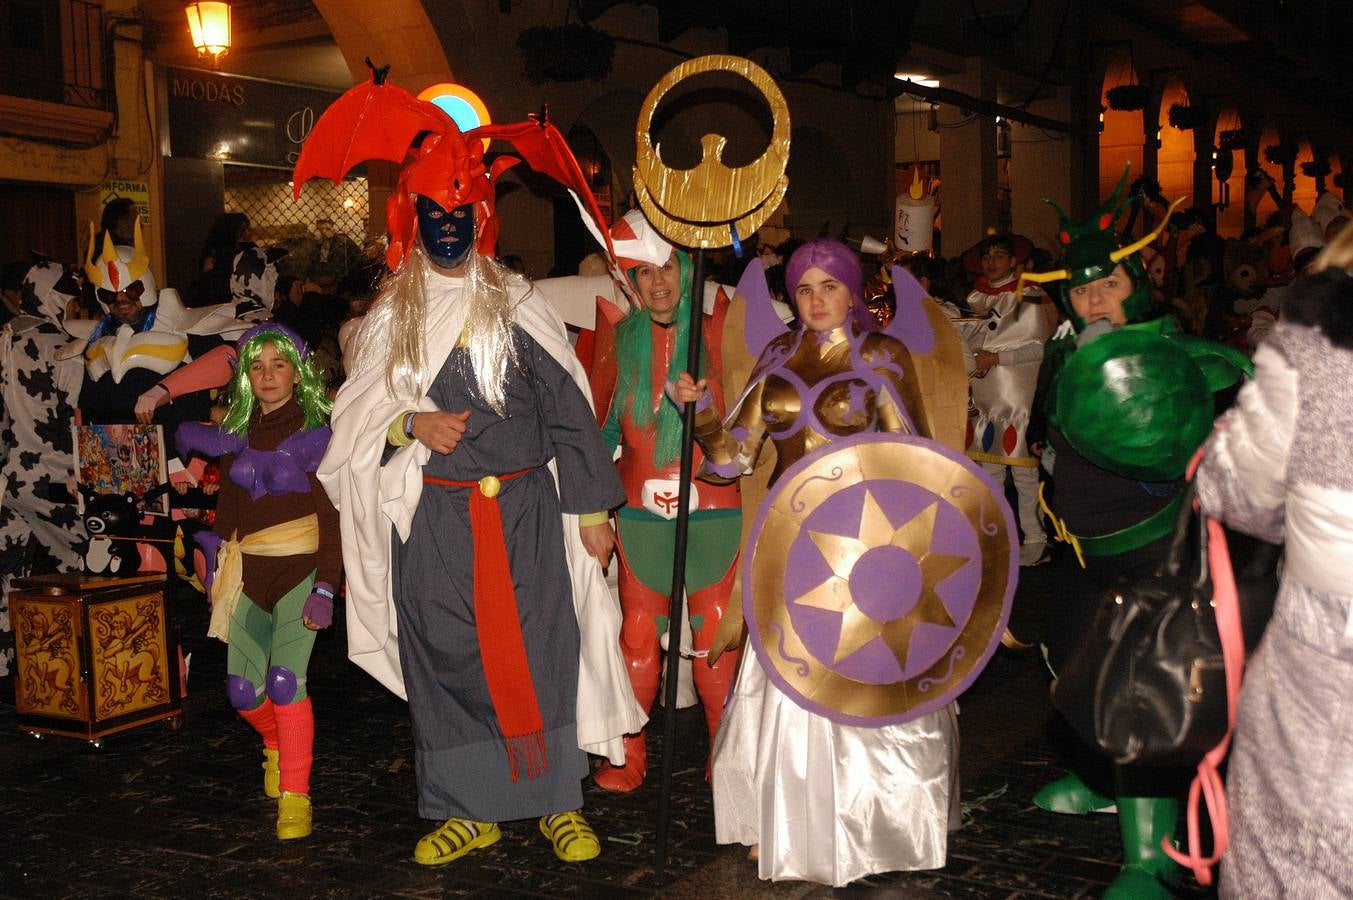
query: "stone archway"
1122, 135
1304, 192
1175, 152
611, 119
396, 33
1262, 202
529, 215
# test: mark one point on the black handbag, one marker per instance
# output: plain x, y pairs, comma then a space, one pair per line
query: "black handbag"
1148, 684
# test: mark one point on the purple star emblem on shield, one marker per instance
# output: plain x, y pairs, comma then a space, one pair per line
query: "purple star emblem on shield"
880, 578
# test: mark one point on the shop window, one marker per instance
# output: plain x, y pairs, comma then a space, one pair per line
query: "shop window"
276, 220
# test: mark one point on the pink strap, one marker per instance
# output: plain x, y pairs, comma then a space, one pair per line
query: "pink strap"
1193, 466
1208, 782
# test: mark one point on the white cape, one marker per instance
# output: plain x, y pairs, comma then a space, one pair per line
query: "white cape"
372, 498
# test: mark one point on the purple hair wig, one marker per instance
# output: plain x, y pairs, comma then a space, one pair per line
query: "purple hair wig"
841, 263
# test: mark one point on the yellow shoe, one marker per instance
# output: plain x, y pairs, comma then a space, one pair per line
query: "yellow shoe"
272, 776
293, 816
454, 839
573, 839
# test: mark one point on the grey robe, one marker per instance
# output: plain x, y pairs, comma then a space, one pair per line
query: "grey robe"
461, 762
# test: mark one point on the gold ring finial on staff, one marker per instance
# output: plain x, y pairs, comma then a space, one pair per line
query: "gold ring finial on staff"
701, 207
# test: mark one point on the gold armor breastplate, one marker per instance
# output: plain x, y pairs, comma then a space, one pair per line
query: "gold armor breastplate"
831, 385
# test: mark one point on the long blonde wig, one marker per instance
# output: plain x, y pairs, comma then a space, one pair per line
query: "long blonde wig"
393, 334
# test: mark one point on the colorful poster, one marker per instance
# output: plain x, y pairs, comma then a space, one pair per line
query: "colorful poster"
115, 459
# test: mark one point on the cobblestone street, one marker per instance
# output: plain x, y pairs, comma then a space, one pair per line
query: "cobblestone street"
158, 812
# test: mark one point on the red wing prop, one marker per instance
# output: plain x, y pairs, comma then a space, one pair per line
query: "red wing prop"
378, 120
544, 149
374, 120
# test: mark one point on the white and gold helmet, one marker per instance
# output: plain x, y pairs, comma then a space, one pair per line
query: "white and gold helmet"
120, 269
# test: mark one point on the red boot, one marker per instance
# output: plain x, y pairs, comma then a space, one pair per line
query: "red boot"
623, 779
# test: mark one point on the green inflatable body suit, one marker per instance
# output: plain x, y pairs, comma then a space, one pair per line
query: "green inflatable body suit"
1135, 400
1138, 400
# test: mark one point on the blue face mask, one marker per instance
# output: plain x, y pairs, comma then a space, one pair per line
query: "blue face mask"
448, 237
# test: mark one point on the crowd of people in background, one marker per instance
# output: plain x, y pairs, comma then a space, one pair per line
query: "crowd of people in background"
1226, 289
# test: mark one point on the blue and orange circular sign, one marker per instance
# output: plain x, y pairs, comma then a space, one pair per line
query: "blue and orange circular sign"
460, 103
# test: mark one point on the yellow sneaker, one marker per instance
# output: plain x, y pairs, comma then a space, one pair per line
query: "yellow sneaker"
573, 839
454, 839
293, 816
272, 776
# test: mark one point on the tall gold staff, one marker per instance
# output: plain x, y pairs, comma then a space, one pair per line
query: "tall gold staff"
707, 207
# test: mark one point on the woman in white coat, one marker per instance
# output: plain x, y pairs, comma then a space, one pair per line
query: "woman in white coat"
1278, 467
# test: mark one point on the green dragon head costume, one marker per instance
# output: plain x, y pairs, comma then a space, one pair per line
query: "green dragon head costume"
1091, 251
1136, 401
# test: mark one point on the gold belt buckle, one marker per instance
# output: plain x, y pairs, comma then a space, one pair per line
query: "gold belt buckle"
489, 486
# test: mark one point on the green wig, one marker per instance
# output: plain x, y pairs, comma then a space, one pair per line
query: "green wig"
310, 392
634, 353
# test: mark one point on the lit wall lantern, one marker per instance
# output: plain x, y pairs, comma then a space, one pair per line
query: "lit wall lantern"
209, 24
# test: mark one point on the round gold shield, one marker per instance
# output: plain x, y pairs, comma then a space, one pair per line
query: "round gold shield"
695, 207
880, 577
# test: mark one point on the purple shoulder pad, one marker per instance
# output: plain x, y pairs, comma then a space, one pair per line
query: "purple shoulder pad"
206, 439
307, 447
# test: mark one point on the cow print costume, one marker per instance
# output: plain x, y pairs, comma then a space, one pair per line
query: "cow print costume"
40, 532
253, 276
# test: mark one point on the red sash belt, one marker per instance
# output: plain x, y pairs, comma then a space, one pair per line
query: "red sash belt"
498, 625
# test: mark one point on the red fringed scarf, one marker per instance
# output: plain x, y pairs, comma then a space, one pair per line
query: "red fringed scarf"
499, 627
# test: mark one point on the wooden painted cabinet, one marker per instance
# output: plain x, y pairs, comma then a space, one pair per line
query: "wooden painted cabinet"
95, 655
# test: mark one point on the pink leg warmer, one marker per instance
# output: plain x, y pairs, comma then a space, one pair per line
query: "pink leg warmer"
296, 741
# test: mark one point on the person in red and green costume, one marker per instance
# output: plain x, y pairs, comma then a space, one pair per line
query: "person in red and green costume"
629, 380
1127, 398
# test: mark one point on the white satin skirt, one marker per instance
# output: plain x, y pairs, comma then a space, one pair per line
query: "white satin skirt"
831, 803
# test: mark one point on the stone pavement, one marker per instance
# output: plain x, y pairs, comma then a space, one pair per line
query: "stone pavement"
159, 812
